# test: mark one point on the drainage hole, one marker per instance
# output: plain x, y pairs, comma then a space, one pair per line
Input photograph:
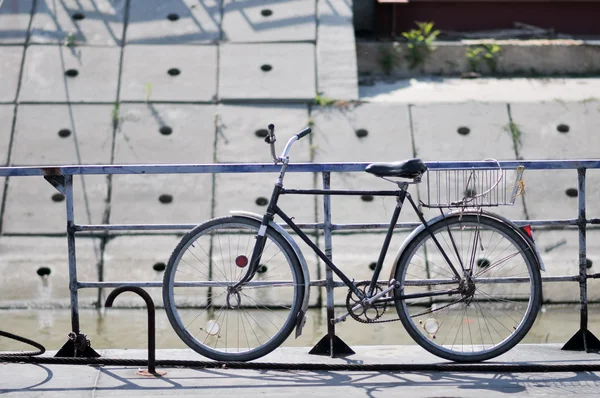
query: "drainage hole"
261, 201
361, 133
64, 133
165, 130
463, 130
58, 197
43, 271
262, 133
483, 263
71, 72
174, 72
266, 12
366, 198
158, 267
78, 16
165, 198
266, 67
173, 17
563, 128
470, 192
571, 192
261, 269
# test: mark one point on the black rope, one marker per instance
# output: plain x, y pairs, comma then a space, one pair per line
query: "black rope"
22, 340
436, 367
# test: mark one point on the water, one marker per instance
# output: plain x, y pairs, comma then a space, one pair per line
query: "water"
127, 328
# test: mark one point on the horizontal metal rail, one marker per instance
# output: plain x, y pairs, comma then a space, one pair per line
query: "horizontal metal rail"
272, 168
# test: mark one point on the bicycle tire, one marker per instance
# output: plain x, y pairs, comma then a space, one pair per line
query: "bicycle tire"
495, 315
261, 315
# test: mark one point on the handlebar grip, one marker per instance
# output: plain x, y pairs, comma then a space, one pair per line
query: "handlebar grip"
304, 132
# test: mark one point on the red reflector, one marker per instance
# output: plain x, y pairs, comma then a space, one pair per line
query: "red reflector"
527, 230
241, 261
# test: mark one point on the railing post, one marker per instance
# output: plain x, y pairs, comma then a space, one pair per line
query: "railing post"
78, 344
330, 344
583, 340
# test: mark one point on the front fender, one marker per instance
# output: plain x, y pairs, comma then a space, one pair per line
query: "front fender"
301, 320
421, 228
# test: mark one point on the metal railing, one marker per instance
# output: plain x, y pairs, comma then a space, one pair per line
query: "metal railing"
61, 177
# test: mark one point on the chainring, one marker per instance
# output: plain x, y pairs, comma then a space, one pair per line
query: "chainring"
365, 315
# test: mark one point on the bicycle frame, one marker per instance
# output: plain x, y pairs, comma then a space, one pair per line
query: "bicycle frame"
400, 194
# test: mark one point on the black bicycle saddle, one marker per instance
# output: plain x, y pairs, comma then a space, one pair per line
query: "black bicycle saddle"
410, 168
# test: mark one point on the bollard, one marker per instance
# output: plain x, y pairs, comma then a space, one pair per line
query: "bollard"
151, 321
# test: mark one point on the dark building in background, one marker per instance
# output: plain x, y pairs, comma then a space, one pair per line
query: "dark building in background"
391, 17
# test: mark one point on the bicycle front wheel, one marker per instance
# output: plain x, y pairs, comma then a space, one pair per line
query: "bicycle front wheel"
484, 311
220, 322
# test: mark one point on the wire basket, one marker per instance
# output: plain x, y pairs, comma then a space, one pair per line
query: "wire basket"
473, 187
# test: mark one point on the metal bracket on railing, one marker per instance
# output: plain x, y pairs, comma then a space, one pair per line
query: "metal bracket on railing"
151, 321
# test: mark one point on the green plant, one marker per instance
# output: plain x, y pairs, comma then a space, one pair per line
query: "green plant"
115, 115
420, 43
323, 101
70, 39
388, 59
474, 57
148, 91
487, 52
516, 133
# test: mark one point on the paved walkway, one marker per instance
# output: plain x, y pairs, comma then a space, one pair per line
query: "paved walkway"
28, 380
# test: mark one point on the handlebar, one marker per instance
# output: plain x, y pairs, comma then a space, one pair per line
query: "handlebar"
270, 139
304, 132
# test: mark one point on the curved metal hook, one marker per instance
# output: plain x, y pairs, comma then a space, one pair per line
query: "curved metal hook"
151, 319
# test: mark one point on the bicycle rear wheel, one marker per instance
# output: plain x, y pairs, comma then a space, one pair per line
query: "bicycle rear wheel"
481, 316
228, 324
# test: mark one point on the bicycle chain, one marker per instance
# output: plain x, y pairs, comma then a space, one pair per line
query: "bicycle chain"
360, 320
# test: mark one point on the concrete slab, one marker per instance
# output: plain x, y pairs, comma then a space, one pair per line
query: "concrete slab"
14, 21
153, 133
242, 129
275, 21
473, 131
337, 74
62, 134
451, 90
541, 139
364, 133
10, 66
23, 258
6, 121
137, 199
63, 74
173, 21
169, 73
33, 206
89, 22
258, 71
77, 134
132, 259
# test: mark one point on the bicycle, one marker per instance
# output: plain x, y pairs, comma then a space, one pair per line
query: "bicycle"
466, 284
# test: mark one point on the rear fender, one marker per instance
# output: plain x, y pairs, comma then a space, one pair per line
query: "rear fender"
301, 319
